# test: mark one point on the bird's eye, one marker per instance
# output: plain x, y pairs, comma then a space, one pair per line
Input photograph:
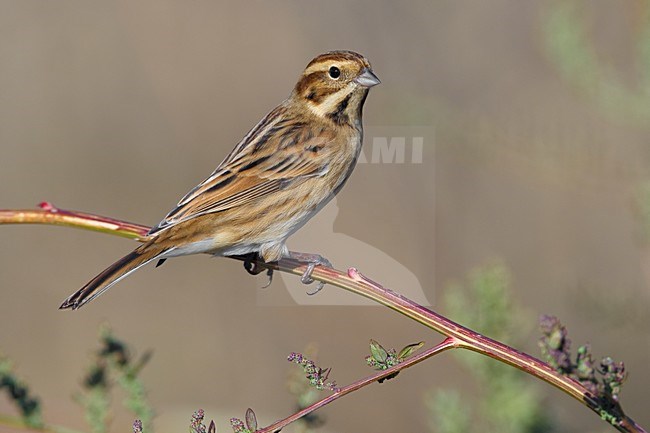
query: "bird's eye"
334, 72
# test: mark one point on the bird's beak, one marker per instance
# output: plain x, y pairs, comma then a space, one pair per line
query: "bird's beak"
367, 78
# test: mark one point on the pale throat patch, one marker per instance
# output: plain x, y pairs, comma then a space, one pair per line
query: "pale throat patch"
328, 105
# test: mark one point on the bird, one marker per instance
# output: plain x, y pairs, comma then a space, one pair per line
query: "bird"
284, 170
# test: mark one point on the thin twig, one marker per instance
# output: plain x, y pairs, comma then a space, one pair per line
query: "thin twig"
355, 282
446, 344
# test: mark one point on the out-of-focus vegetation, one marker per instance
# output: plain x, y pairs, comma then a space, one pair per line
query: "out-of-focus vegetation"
28, 405
113, 364
567, 33
508, 402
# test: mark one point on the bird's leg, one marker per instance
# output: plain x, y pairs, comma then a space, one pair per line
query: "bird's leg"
250, 263
252, 267
311, 260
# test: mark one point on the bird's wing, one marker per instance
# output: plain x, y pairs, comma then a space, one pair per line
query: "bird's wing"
278, 151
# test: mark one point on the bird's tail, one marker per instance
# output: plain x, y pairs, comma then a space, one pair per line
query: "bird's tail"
111, 275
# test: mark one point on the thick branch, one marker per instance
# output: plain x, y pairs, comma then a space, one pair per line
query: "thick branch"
48, 214
355, 282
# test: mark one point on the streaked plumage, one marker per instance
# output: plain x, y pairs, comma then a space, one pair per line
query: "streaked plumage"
281, 173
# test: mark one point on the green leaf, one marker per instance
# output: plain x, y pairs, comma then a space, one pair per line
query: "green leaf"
378, 352
408, 350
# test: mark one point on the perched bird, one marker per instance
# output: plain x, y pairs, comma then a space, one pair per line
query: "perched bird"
281, 173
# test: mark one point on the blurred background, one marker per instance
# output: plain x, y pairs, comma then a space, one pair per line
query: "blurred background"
534, 183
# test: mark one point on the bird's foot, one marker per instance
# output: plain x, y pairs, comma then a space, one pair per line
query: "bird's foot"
252, 266
311, 260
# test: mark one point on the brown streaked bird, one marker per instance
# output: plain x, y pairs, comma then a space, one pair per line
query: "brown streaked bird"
281, 173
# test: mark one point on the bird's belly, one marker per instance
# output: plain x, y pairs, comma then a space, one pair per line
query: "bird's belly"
212, 246
262, 226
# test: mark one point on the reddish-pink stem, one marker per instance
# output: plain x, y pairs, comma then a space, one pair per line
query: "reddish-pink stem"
49, 214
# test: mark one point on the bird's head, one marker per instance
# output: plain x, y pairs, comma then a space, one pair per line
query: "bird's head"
334, 86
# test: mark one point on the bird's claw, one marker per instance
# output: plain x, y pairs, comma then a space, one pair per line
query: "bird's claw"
311, 260
269, 273
307, 279
306, 276
318, 288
